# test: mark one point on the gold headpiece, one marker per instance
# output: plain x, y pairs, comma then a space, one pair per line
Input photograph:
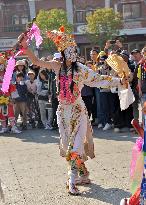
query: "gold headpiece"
2, 60
118, 64
61, 39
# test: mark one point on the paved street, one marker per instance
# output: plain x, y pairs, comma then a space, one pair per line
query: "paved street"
33, 173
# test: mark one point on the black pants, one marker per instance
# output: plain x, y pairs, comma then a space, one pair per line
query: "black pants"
88, 103
123, 118
107, 107
94, 106
55, 104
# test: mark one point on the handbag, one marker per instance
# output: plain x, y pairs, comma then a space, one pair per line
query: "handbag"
126, 97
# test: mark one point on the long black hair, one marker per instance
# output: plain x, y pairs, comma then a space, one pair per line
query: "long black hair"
74, 67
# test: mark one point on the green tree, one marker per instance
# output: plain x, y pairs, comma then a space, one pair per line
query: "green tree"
50, 20
102, 25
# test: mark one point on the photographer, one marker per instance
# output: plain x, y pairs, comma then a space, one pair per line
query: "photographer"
113, 46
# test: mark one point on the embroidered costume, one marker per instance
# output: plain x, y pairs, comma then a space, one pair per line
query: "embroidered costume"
74, 125
76, 140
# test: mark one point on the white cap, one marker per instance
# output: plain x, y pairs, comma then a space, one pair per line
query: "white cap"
57, 56
31, 72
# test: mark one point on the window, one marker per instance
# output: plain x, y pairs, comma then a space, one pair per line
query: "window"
131, 11
15, 20
132, 46
141, 45
24, 19
80, 16
89, 12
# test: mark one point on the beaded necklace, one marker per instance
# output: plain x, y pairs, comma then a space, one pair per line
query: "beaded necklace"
66, 86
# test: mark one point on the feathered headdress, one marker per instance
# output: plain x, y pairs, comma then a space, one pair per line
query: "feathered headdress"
61, 39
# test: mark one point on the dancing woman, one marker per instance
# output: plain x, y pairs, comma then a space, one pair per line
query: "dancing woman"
76, 141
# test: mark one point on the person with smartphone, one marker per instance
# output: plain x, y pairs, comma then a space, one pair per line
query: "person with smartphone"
113, 46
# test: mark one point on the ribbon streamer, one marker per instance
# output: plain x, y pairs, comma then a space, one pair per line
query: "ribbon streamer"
34, 32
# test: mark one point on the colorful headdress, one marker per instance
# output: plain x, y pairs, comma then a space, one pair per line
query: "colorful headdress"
61, 39
64, 42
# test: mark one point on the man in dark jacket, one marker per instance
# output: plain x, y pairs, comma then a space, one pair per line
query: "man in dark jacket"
21, 99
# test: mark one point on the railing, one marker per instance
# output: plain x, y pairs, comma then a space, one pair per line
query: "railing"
13, 28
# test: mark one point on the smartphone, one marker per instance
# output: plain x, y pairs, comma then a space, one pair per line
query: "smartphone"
112, 41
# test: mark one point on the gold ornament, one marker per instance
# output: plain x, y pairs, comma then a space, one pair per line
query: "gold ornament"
4, 100
61, 39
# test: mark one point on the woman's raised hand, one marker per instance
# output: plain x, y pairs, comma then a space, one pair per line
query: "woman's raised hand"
22, 40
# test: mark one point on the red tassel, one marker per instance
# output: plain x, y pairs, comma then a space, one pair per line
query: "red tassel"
135, 199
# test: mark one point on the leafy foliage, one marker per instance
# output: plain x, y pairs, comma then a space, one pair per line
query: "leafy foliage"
51, 20
103, 24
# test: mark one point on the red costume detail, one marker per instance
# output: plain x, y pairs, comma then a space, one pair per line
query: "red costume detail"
135, 199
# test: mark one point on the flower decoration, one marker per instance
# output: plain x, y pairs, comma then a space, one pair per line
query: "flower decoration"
61, 39
62, 29
65, 94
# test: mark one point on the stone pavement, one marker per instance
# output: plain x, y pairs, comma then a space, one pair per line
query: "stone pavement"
33, 173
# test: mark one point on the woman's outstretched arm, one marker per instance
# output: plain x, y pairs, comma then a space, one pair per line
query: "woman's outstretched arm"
51, 65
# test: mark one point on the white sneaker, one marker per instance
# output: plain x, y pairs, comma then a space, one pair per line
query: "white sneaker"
107, 127
15, 130
72, 189
117, 130
100, 126
3, 130
124, 201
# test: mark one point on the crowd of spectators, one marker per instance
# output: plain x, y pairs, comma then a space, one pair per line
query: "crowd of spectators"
35, 99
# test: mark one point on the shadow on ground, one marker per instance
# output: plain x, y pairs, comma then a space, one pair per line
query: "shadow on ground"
37, 136
111, 135
112, 195
47, 136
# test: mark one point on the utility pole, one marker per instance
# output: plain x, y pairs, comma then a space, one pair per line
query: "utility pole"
107, 3
69, 10
32, 9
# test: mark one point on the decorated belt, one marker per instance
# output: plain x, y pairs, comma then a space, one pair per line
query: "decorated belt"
4, 100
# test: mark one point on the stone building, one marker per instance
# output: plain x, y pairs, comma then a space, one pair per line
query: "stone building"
133, 13
15, 14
